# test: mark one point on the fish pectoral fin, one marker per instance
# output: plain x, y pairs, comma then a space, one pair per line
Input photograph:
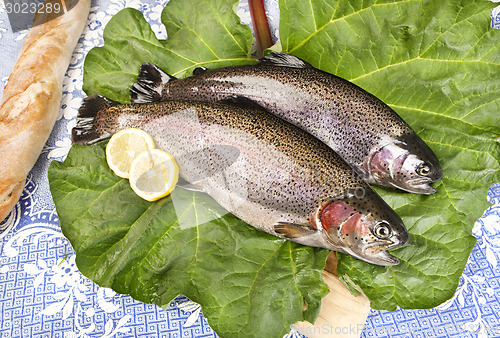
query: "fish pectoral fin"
292, 230
199, 70
284, 60
150, 83
243, 102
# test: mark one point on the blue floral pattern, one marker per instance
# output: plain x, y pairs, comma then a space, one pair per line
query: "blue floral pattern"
495, 16
42, 293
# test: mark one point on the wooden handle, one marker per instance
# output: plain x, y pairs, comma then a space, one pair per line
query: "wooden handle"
341, 314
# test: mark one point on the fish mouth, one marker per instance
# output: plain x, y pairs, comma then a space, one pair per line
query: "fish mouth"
421, 185
375, 254
379, 255
417, 186
383, 258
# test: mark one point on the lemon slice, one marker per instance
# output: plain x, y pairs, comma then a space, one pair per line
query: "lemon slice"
153, 174
124, 146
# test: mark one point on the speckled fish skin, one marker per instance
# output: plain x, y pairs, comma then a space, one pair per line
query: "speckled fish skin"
363, 130
282, 180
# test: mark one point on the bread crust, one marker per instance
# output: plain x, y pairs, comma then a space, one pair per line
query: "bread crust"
32, 97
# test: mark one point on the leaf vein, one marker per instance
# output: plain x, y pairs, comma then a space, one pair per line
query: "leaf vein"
438, 114
343, 18
224, 25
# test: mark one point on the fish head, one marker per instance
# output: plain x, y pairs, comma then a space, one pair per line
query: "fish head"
406, 163
364, 228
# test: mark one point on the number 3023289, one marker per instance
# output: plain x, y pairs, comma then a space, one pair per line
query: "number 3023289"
14, 7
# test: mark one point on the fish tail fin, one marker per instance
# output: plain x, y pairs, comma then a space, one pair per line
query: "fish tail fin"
86, 131
150, 84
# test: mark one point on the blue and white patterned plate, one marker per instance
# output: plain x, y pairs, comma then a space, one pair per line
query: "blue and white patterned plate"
42, 293
495, 16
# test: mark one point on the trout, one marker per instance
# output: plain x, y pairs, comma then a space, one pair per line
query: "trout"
370, 136
267, 172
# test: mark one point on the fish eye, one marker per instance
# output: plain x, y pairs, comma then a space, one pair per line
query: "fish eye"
424, 169
382, 230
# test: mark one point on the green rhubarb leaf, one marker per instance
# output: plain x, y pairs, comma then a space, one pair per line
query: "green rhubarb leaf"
437, 64
250, 284
201, 33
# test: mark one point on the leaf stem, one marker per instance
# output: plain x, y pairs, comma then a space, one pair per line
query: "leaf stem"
260, 26
64, 258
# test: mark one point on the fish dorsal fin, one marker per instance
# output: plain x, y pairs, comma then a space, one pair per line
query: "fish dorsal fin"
242, 102
292, 230
150, 83
284, 60
199, 71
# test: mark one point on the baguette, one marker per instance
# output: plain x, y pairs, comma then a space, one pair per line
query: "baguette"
32, 96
